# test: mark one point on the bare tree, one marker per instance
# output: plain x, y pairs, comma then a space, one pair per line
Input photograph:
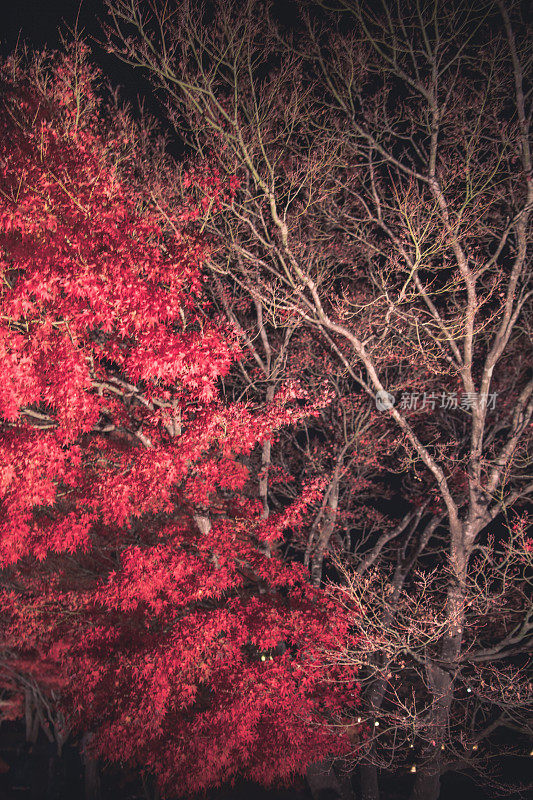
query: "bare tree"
384, 201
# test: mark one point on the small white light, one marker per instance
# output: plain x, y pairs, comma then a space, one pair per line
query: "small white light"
474, 747
531, 753
376, 724
413, 768
442, 747
411, 746
263, 658
469, 690
358, 719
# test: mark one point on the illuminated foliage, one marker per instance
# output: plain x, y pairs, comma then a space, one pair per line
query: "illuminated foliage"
135, 578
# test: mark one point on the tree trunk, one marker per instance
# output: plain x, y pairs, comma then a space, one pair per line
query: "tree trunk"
57, 779
266, 454
325, 784
440, 683
92, 772
265, 464
31, 717
427, 784
330, 519
368, 782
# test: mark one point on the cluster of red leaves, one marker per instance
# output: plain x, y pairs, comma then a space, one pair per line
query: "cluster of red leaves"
178, 644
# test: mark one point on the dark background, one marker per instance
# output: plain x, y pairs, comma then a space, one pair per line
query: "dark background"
38, 21
41, 23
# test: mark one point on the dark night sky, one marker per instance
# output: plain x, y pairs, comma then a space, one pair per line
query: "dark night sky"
38, 21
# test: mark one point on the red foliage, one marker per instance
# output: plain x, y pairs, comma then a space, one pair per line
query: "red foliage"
131, 560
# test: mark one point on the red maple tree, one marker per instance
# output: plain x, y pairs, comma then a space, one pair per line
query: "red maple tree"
136, 590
